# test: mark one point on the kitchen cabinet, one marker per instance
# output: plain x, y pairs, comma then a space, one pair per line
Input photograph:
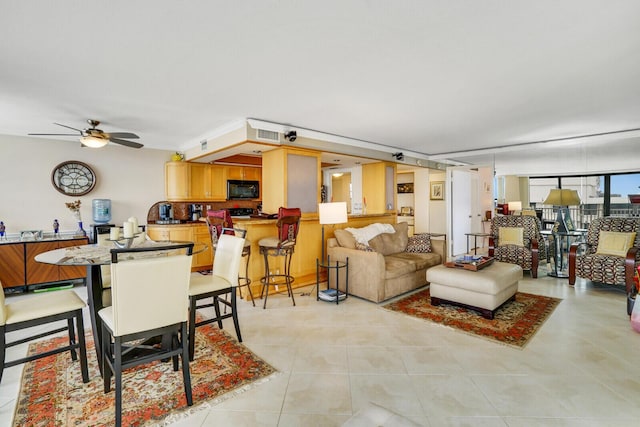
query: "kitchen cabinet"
218, 183
177, 180
204, 182
200, 181
12, 268
197, 233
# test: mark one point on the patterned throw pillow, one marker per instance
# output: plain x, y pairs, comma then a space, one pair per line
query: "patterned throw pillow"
366, 248
419, 243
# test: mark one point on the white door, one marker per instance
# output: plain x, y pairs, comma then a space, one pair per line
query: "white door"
460, 210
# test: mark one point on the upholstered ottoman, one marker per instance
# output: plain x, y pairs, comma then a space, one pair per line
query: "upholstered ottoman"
484, 290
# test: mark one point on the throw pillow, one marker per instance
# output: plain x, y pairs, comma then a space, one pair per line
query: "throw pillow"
614, 243
511, 236
345, 239
419, 243
391, 243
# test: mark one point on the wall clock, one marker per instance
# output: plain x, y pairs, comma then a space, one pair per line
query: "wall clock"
73, 178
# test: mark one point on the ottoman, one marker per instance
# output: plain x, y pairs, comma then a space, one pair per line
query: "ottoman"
484, 290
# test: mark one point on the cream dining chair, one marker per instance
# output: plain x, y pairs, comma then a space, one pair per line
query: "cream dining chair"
223, 280
35, 310
149, 289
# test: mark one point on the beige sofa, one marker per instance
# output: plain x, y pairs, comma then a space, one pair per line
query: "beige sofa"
386, 269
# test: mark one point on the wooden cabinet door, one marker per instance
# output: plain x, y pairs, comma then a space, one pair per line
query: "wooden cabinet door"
177, 180
39, 272
158, 233
218, 176
204, 259
12, 272
252, 174
70, 272
200, 181
235, 172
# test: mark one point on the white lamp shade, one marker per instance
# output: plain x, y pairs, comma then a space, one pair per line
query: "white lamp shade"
514, 206
333, 213
93, 142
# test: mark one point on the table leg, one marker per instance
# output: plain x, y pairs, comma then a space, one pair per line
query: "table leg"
94, 297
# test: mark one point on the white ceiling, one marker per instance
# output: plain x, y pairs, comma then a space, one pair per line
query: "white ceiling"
432, 77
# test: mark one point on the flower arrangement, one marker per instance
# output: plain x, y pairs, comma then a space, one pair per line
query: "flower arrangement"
74, 207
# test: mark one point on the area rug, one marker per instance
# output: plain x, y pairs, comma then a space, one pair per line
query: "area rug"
52, 392
514, 324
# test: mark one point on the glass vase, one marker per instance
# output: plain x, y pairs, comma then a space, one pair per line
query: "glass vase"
80, 231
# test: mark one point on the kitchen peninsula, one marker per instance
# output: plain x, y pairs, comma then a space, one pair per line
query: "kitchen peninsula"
308, 247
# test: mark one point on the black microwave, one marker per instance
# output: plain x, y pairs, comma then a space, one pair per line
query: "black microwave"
238, 190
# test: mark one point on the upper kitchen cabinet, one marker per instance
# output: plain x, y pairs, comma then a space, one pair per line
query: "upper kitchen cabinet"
291, 179
245, 173
177, 180
208, 182
379, 187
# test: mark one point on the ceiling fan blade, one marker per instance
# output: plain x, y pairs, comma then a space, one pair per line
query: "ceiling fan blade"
68, 127
54, 134
127, 135
126, 143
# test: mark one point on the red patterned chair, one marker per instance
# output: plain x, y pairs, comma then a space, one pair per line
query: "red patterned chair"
602, 262
516, 239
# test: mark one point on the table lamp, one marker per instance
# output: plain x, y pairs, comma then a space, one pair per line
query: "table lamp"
331, 213
515, 208
563, 198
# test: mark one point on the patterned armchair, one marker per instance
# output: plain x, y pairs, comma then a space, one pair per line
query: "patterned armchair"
606, 268
517, 240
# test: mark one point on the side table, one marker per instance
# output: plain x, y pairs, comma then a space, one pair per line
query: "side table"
332, 294
475, 240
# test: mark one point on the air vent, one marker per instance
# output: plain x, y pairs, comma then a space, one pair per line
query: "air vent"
267, 135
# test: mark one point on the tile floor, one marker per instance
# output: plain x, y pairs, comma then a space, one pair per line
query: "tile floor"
581, 369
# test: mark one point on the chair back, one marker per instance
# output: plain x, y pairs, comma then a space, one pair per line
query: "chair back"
102, 240
218, 221
226, 263
288, 225
149, 287
617, 224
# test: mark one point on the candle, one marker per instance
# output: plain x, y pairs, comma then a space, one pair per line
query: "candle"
134, 221
128, 229
114, 233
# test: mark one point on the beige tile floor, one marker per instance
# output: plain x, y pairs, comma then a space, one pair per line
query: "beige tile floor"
581, 369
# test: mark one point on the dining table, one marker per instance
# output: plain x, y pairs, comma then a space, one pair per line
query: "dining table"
93, 257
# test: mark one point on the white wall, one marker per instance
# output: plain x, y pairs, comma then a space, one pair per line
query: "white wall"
133, 179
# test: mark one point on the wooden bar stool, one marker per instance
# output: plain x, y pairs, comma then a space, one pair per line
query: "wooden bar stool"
283, 244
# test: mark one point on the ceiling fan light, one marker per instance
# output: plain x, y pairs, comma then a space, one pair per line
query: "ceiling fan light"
93, 142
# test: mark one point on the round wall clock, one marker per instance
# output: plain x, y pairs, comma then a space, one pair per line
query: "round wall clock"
73, 178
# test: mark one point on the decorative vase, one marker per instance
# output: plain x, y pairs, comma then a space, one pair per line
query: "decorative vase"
80, 231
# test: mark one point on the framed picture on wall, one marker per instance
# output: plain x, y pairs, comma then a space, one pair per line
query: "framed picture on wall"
437, 190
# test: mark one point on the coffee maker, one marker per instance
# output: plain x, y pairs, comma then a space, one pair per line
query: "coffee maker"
195, 212
165, 211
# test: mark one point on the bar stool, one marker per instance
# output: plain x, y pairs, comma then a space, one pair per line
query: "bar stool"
220, 222
283, 244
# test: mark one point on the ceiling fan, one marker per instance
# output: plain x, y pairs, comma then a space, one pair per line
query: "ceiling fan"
95, 138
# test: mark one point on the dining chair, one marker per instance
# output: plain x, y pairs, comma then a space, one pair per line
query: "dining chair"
149, 289
36, 310
223, 280
220, 222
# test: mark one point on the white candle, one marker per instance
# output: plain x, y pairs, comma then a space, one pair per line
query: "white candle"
134, 221
114, 233
128, 229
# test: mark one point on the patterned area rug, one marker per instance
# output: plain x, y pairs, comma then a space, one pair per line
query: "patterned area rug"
52, 392
514, 323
